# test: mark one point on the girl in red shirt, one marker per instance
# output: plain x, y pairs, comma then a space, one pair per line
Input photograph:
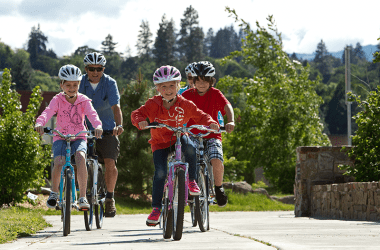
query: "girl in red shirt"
173, 110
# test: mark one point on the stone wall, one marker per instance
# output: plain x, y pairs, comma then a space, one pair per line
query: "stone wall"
354, 200
317, 166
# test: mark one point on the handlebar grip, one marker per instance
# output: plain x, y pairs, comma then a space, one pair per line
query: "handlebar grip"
223, 128
153, 124
47, 130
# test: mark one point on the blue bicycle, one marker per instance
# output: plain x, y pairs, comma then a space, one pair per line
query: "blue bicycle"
67, 189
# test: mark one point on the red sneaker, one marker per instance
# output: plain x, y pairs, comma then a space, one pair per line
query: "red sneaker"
193, 188
154, 217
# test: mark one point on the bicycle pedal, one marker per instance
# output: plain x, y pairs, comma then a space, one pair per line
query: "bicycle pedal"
84, 209
152, 224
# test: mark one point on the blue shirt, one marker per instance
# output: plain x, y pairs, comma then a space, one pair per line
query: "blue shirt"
181, 90
103, 98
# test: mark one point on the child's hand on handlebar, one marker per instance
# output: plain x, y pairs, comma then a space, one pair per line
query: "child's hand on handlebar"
230, 127
214, 126
39, 129
143, 124
98, 132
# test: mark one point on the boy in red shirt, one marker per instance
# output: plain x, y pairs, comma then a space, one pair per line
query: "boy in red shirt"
211, 101
173, 110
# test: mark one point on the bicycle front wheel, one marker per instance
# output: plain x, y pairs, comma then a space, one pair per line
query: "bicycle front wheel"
66, 205
167, 217
178, 203
201, 204
89, 215
102, 190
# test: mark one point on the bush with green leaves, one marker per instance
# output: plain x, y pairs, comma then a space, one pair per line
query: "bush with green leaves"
281, 111
366, 142
23, 158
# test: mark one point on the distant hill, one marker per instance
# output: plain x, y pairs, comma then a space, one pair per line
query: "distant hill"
368, 50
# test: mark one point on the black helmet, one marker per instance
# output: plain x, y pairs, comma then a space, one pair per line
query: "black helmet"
203, 68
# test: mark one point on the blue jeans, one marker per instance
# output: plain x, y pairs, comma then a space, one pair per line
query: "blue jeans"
160, 159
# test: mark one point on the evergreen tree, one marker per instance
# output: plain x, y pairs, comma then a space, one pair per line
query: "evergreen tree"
6, 54
323, 61
208, 42
36, 44
190, 43
109, 46
225, 41
21, 70
144, 41
164, 50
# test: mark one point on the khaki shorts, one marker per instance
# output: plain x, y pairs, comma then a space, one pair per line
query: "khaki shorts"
108, 147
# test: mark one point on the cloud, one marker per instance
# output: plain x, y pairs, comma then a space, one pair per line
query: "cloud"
68, 9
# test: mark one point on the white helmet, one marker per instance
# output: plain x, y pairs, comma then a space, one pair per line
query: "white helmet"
188, 68
94, 58
70, 72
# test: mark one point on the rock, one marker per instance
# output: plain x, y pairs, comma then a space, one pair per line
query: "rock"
261, 191
238, 187
286, 199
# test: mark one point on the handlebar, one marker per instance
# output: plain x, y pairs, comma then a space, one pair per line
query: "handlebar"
89, 134
187, 129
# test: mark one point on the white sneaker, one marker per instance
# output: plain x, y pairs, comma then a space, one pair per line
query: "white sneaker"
83, 204
52, 200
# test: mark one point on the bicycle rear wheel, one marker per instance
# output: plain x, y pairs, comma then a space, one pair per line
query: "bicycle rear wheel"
201, 204
102, 190
66, 205
178, 203
89, 215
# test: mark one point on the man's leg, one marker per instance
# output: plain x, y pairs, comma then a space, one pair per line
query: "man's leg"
110, 178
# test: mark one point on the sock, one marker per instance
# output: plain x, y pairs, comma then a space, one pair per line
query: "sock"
109, 195
218, 187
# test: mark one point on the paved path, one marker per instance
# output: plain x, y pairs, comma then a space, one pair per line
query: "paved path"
229, 230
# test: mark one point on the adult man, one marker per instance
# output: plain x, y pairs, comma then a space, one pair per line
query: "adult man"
103, 91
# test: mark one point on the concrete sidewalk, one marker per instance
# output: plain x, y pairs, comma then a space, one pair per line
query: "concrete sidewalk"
229, 230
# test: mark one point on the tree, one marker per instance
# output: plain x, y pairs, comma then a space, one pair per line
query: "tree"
84, 50
323, 61
144, 41
366, 142
109, 46
21, 70
6, 54
24, 158
190, 43
164, 50
135, 163
225, 41
282, 108
207, 43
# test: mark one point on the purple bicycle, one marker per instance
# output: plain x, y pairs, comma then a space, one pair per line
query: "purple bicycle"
176, 191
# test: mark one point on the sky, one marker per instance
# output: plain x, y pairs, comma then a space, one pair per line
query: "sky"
69, 24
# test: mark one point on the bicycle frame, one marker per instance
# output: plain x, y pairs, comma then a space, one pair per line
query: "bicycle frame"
173, 165
70, 166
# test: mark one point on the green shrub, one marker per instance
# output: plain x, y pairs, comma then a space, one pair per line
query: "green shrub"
366, 142
23, 158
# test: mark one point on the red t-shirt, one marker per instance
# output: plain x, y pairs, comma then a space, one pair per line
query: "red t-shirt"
211, 103
180, 113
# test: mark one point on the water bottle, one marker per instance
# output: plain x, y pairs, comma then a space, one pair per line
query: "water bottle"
220, 119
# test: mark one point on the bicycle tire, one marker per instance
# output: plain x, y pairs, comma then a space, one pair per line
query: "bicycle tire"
66, 206
89, 215
102, 190
178, 203
202, 204
167, 218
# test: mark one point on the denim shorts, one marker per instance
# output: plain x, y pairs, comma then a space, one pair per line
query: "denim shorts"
59, 147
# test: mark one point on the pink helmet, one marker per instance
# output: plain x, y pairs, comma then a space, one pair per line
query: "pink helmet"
166, 74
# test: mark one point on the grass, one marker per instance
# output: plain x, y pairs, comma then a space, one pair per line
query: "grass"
26, 219
19, 222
